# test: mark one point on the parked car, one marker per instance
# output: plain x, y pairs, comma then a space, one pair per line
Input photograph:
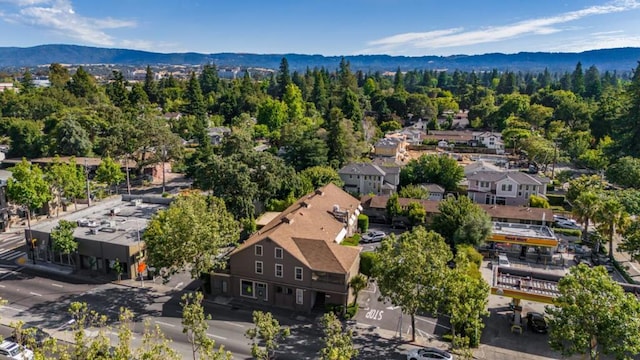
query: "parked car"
503, 260
428, 353
373, 236
12, 351
563, 218
537, 323
38, 335
567, 224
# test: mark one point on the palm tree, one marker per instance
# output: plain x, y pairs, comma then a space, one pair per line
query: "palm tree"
585, 207
357, 283
611, 216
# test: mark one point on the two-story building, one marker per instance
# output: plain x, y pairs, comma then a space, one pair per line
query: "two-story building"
368, 178
489, 139
505, 187
296, 260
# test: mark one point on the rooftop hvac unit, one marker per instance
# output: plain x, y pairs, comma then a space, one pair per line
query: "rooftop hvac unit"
94, 231
115, 211
136, 202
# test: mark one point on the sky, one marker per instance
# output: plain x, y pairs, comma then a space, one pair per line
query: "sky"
326, 27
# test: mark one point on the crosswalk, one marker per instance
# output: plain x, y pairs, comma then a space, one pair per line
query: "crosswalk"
11, 254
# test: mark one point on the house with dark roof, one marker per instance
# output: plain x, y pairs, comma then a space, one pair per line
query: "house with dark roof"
436, 192
369, 178
296, 260
505, 187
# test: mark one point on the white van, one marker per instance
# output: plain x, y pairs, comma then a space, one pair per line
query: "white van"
503, 261
12, 351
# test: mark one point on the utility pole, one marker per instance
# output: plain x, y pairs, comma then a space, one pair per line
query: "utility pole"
86, 171
555, 157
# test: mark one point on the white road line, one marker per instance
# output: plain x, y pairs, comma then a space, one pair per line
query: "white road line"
35, 294
179, 284
234, 324
216, 336
10, 308
2, 286
1, 251
56, 285
164, 323
17, 255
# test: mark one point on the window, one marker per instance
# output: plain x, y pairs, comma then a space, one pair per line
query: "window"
246, 288
278, 253
258, 250
258, 267
278, 289
526, 187
224, 286
510, 187
279, 270
299, 296
504, 187
298, 272
261, 291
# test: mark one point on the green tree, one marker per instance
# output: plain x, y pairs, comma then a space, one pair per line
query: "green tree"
109, 173
416, 213
436, 169
625, 130
631, 240
585, 207
82, 84
62, 236
117, 91
625, 172
460, 221
195, 326
66, 180
583, 183
189, 235
393, 207
272, 113
28, 187
266, 335
536, 201
413, 191
357, 284
71, 139
283, 78
338, 343
467, 299
577, 80
58, 75
409, 271
610, 217
594, 315
320, 176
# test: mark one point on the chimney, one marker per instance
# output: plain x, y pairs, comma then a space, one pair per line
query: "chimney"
319, 192
305, 204
288, 219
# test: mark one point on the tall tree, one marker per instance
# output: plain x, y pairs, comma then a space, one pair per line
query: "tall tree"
283, 78
151, 86
460, 221
82, 84
627, 130
189, 235
28, 187
409, 271
611, 218
58, 75
109, 173
63, 240
117, 90
586, 208
338, 343
266, 335
436, 169
71, 138
195, 326
577, 80
594, 315
66, 180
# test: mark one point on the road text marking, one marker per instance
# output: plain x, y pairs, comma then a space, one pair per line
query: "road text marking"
56, 285
35, 294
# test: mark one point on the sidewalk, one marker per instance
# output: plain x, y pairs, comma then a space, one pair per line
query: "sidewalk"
623, 258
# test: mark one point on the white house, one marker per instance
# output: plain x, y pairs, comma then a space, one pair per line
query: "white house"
505, 187
491, 140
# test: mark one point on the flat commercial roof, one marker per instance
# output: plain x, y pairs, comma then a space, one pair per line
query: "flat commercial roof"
119, 222
523, 234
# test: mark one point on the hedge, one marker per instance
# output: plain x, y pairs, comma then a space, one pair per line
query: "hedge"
363, 222
556, 200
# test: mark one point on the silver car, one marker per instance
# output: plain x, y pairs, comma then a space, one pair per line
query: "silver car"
429, 353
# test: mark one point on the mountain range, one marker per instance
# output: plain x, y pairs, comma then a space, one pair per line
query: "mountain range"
619, 59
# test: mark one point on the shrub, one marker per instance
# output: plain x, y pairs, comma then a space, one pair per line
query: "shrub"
556, 200
352, 310
536, 201
568, 232
363, 222
351, 241
472, 254
367, 260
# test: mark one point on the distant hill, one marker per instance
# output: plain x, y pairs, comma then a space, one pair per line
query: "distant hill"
620, 59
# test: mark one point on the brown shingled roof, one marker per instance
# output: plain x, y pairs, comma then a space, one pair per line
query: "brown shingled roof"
307, 230
495, 211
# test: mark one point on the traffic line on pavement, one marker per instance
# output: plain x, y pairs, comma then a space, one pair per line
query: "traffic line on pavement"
234, 324
164, 323
2, 286
179, 284
56, 285
216, 336
6, 275
35, 294
10, 308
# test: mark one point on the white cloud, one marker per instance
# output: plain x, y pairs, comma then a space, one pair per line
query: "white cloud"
599, 40
457, 37
59, 16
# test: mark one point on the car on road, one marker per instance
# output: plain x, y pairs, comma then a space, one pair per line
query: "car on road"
428, 353
537, 323
30, 335
563, 218
12, 351
373, 236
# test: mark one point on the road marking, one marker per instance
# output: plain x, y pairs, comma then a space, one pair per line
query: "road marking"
10, 273
433, 323
234, 324
216, 336
17, 254
2, 286
179, 284
35, 294
11, 308
56, 285
164, 323
393, 307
